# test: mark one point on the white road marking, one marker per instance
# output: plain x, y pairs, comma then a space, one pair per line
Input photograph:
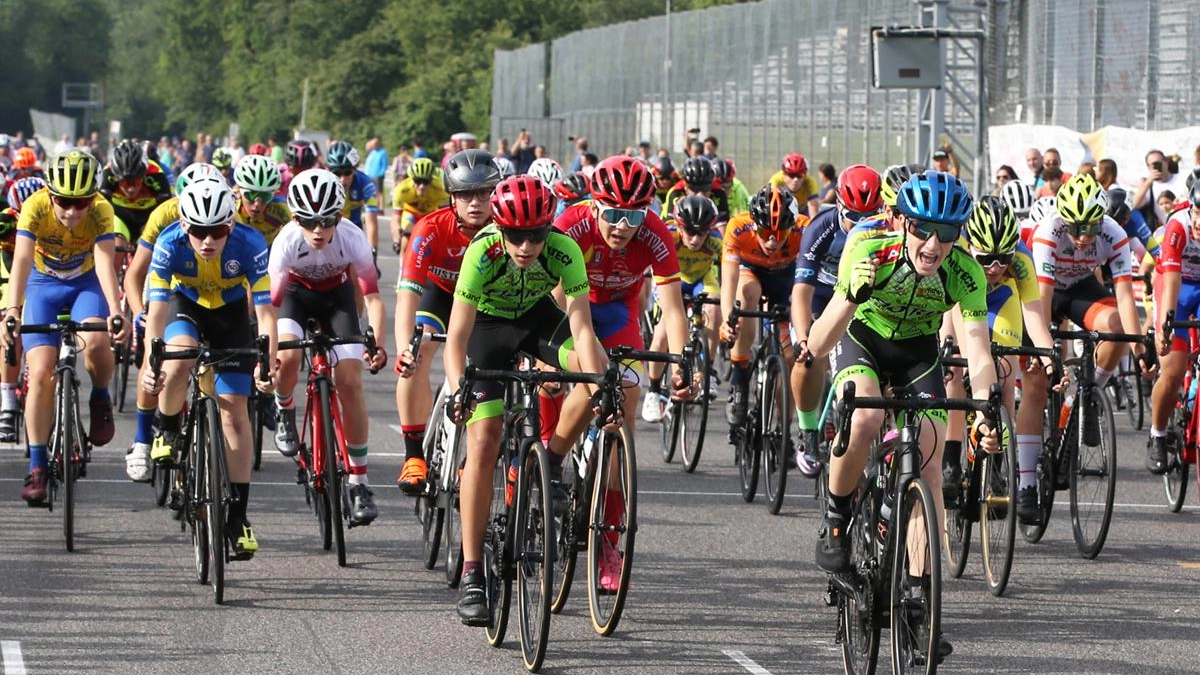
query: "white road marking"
396, 428
746, 662
14, 663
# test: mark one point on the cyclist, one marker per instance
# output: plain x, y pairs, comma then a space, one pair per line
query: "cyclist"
546, 170
697, 177
222, 158
1018, 197
572, 189
310, 269
298, 156
793, 174
891, 294
199, 274
502, 306
698, 247
63, 260
760, 250
822, 247
665, 178
419, 194
255, 181
425, 292
134, 186
361, 207
10, 376
1177, 285
739, 196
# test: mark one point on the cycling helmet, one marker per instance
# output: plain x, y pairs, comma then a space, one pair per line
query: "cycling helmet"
1042, 208
794, 164
894, 177
858, 189
506, 167
992, 227
662, 167
222, 158
128, 161
698, 172
195, 172
935, 196
1018, 196
341, 156
25, 158
471, 170
572, 187
696, 213
72, 174
300, 155
624, 182
258, 149
547, 170
257, 173
1118, 206
523, 203
422, 168
1193, 196
721, 171
206, 203
316, 193
21, 190
773, 208
1081, 199
732, 168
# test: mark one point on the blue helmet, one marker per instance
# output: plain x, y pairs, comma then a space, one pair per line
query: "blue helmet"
935, 196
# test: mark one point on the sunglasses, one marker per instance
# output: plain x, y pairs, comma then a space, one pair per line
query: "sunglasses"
312, 224
342, 173
924, 229
516, 237
795, 175
1085, 229
421, 181
987, 260
855, 216
697, 231
614, 216
474, 195
254, 196
202, 232
77, 203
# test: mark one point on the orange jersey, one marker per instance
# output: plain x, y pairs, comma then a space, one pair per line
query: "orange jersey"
741, 244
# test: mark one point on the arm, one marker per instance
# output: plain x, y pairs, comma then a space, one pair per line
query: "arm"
135, 279
377, 317
802, 295
17, 281
670, 298
1127, 308
1143, 191
729, 282
814, 205
977, 347
579, 316
268, 317
371, 227
104, 251
827, 330
454, 357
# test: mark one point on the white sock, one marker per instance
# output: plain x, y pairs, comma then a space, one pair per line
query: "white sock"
1155, 433
8, 396
1102, 376
1029, 448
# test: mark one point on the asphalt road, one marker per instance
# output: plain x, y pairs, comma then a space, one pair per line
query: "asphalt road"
719, 586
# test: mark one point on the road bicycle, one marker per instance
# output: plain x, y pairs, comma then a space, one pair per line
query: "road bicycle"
1183, 431
684, 422
129, 352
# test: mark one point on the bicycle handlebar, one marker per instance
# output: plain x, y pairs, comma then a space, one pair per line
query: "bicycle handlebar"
56, 327
206, 355
317, 338
773, 312
419, 335
1096, 336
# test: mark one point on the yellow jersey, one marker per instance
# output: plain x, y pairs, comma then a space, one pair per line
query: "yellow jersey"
405, 197
694, 266
272, 221
808, 188
162, 216
59, 251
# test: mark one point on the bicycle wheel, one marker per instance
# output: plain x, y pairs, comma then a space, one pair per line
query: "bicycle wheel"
612, 529
668, 427
316, 482
496, 551
452, 528
256, 427
776, 425
215, 502
66, 454
1175, 480
1045, 478
195, 494
916, 583
1143, 392
749, 455
692, 416
860, 615
957, 523
122, 355
160, 478
568, 535
333, 475
1093, 481
430, 515
533, 556
998, 515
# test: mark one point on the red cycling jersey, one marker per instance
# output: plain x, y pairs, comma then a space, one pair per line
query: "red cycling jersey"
435, 252
618, 275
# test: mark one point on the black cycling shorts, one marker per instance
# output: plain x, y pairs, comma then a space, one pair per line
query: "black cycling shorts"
913, 364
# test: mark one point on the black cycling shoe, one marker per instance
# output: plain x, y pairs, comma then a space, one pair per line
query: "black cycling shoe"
8, 426
1028, 512
833, 544
1156, 455
735, 411
362, 505
472, 600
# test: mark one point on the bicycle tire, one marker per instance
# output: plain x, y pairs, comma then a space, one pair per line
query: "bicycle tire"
776, 431
860, 623
65, 453
749, 456
333, 476
1142, 395
160, 478
452, 528
668, 427
533, 554
615, 532
957, 526
195, 485
123, 354
1089, 527
431, 518
497, 581
692, 416
256, 427
913, 642
1045, 478
569, 537
215, 503
998, 512
1175, 480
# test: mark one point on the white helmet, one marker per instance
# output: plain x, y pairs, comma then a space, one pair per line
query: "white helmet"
195, 172
206, 203
546, 169
1018, 196
257, 173
1043, 208
505, 166
316, 193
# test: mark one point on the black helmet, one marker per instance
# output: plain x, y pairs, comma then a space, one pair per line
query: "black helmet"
470, 170
662, 167
300, 155
696, 213
698, 172
1118, 207
128, 161
721, 170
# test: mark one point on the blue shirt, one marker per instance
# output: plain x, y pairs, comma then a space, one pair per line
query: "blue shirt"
377, 163
359, 196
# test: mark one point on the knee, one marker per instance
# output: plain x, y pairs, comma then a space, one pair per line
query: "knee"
866, 422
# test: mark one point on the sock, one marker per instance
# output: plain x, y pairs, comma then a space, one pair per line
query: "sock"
953, 454
8, 396
1102, 376
414, 438
144, 433
37, 457
549, 408
740, 378
1029, 448
656, 385
285, 403
99, 394
1157, 433
169, 422
471, 566
237, 507
807, 419
358, 463
838, 506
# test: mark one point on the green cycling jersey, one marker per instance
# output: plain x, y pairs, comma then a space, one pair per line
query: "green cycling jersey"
491, 282
904, 305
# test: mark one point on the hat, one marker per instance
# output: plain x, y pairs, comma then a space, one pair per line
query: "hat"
941, 154
644, 144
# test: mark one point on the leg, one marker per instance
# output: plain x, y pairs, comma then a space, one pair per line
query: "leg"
1162, 403
239, 459
99, 362
475, 501
355, 423
414, 402
749, 291
287, 438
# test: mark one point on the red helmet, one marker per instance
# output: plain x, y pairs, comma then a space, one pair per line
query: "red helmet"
25, 158
795, 165
623, 182
522, 203
258, 149
858, 189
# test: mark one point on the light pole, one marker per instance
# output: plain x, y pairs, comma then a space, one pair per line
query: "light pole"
667, 113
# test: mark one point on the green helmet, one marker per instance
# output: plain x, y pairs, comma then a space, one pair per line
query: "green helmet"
1081, 199
258, 174
992, 227
422, 168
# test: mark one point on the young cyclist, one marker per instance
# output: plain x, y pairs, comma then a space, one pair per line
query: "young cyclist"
63, 260
134, 186
310, 269
199, 275
793, 174
299, 156
418, 195
10, 376
502, 306
361, 207
255, 181
697, 177
739, 196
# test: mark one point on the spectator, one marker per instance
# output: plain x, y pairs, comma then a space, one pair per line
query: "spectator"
828, 192
204, 148
236, 149
695, 148
96, 148
449, 148
524, 152
539, 151
404, 159
277, 153
944, 160
1166, 201
581, 146
376, 165
1087, 167
1162, 175
1052, 160
1052, 179
63, 144
1106, 173
502, 149
588, 159
710, 147
644, 152
1004, 174
5, 152
1033, 162
184, 156
418, 148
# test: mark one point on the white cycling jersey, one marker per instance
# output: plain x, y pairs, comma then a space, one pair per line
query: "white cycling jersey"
1057, 261
293, 259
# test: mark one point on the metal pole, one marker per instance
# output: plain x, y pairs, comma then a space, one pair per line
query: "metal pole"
304, 107
667, 113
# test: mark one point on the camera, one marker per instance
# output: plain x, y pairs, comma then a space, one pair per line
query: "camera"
1157, 166
694, 130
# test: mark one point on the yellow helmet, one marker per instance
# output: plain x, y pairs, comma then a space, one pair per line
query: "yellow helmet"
1081, 199
422, 168
72, 174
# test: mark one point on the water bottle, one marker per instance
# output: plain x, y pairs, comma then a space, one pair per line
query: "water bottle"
1191, 396
585, 456
1065, 413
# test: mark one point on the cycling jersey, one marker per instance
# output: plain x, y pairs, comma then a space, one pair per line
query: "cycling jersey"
808, 187
135, 210
406, 199
292, 260
905, 305
739, 197
360, 198
492, 283
1059, 262
160, 219
821, 250
618, 275
696, 266
59, 251
175, 269
741, 244
276, 215
679, 191
1180, 250
435, 252
1006, 299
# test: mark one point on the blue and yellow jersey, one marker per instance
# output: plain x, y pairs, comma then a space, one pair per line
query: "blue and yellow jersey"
360, 196
696, 265
160, 219
273, 219
58, 251
1005, 300
175, 268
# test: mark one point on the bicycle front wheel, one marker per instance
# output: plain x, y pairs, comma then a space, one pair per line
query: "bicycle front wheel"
534, 542
215, 502
569, 533
692, 416
612, 529
776, 406
860, 615
1093, 479
957, 522
749, 454
998, 513
496, 551
195, 495
916, 583
333, 475
452, 529
1175, 480
67, 453
123, 354
253, 406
